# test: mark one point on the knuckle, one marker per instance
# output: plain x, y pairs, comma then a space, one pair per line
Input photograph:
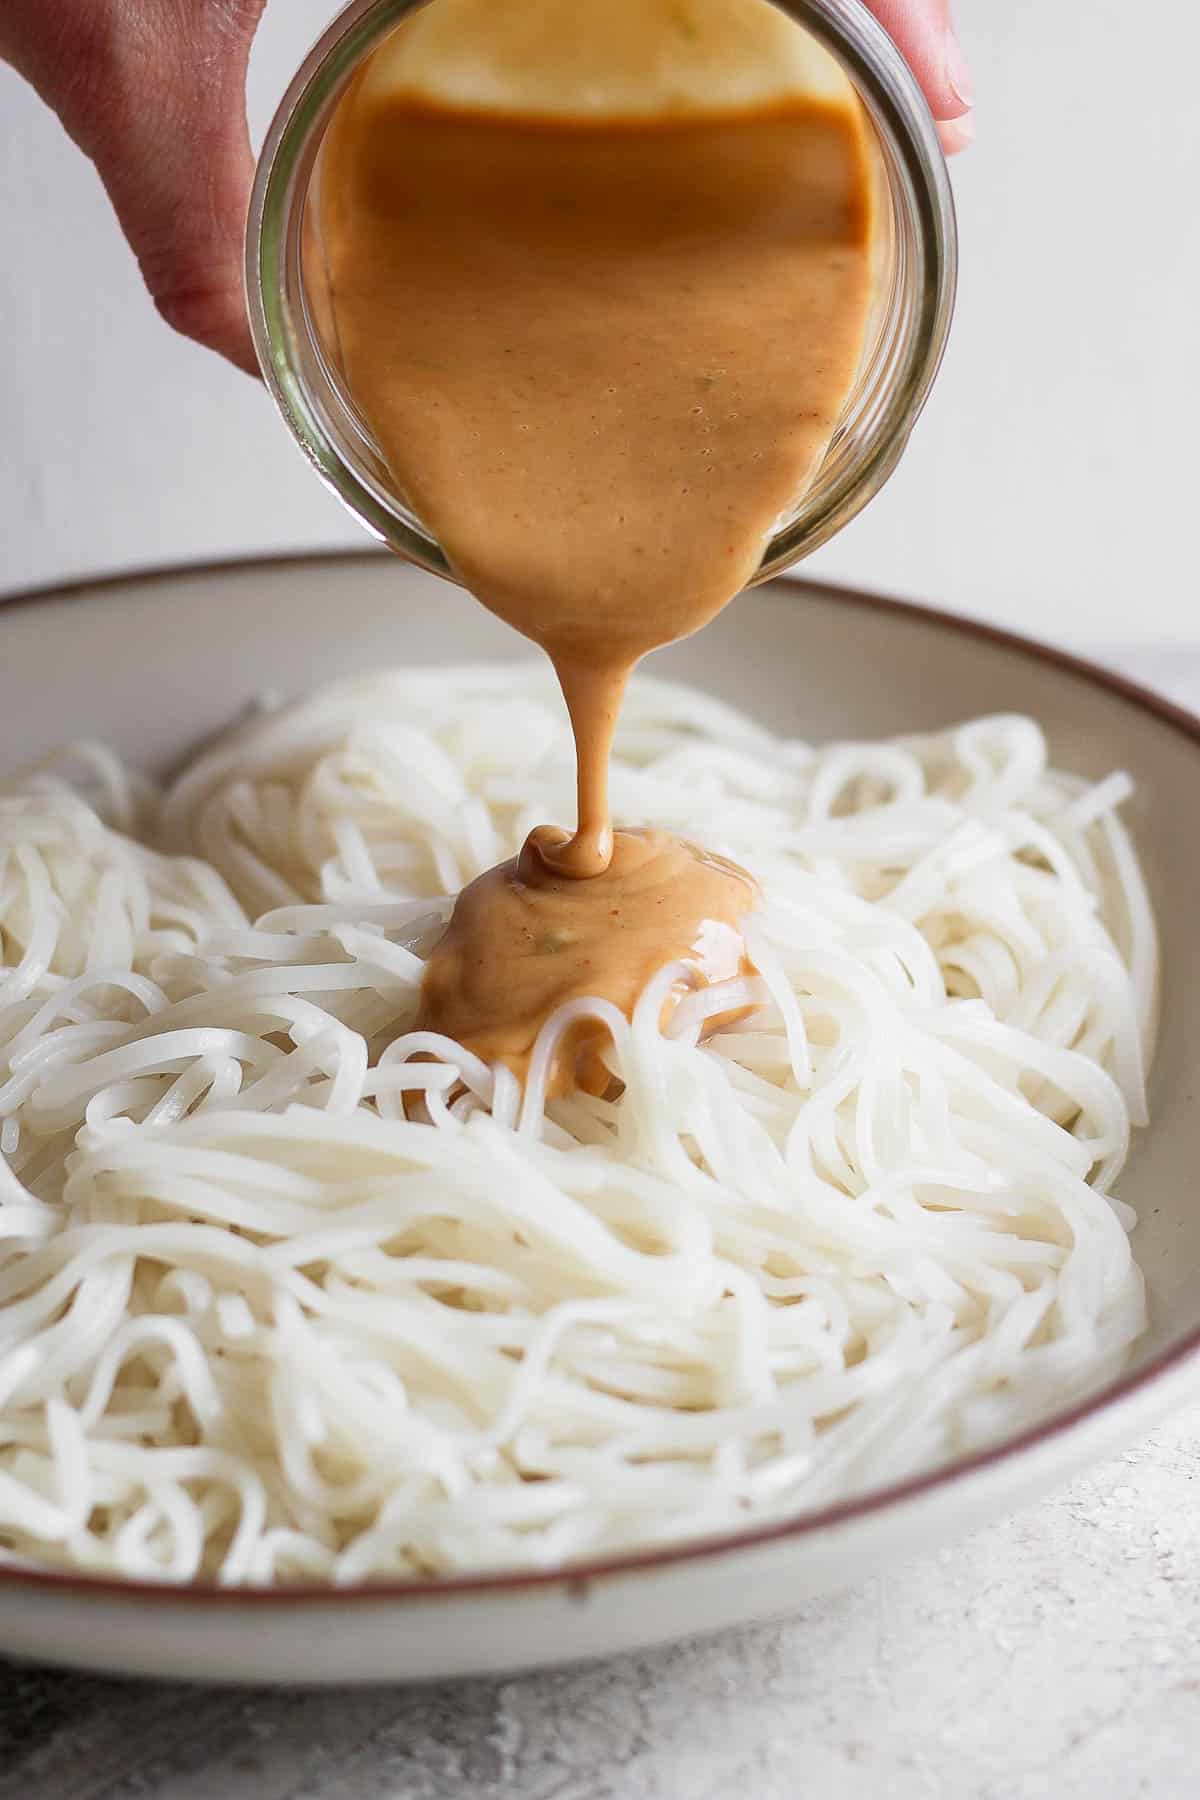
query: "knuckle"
210, 311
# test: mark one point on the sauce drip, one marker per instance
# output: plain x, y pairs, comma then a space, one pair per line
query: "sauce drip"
600, 361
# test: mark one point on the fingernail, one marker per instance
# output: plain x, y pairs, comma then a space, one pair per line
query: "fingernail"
956, 134
958, 76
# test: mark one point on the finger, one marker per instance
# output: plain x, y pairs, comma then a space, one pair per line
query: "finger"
924, 33
161, 110
955, 134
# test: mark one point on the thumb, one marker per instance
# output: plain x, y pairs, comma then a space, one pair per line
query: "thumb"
154, 91
924, 33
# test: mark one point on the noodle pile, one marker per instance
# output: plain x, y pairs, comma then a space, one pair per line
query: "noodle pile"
259, 1324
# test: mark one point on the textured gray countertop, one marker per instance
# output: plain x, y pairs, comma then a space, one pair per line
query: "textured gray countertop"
1055, 1656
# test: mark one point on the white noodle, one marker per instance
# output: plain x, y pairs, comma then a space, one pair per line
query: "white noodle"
257, 1324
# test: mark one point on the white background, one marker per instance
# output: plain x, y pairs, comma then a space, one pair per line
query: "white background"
1051, 483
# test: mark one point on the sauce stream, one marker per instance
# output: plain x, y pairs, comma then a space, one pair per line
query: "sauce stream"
600, 361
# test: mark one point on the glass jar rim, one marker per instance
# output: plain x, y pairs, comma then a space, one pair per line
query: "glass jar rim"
894, 102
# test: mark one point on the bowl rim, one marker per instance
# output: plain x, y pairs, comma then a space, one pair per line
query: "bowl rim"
575, 1578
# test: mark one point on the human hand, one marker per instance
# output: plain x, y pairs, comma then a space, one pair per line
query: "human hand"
154, 92
924, 32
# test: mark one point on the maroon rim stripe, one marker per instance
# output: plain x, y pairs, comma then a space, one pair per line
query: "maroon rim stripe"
574, 1578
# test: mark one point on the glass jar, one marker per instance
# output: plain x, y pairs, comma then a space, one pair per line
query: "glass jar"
915, 255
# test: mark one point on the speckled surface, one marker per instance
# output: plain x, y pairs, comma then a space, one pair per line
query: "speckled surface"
1055, 1656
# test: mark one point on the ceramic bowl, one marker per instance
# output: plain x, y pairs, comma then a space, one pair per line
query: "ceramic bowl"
154, 664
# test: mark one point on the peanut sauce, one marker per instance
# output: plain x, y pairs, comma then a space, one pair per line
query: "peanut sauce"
601, 360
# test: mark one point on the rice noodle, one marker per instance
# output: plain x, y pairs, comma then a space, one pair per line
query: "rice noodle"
257, 1324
